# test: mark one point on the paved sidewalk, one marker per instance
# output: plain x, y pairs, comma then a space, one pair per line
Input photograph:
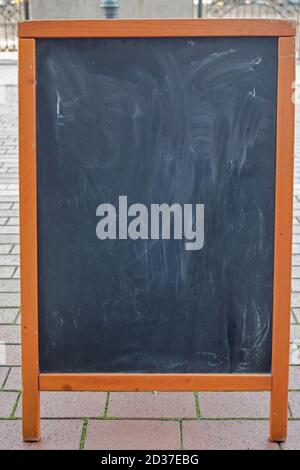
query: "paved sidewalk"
125, 420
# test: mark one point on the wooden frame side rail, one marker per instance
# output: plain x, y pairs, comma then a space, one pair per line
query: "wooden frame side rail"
277, 381
28, 239
283, 238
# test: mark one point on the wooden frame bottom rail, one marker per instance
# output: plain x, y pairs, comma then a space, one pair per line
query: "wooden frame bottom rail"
159, 382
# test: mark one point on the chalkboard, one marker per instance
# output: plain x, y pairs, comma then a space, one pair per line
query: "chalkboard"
185, 121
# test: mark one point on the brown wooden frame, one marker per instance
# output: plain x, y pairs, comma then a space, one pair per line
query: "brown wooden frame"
277, 381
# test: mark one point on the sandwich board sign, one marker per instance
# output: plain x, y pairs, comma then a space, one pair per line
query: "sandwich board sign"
156, 175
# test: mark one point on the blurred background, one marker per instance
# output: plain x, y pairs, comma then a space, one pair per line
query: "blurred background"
13, 11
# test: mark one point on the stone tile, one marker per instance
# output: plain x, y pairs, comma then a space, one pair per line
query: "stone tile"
8, 229
234, 404
9, 198
295, 353
296, 282
6, 272
56, 434
9, 285
295, 301
9, 260
294, 378
17, 274
11, 435
296, 229
3, 374
227, 435
296, 312
13, 355
13, 221
152, 405
296, 258
294, 402
295, 333
14, 380
11, 213
70, 404
5, 249
10, 334
7, 402
293, 438
293, 318
8, 315
9, 300
132, 435
16, 250
296, 270
9, 238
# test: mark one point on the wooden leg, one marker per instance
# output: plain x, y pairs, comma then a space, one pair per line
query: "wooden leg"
279, 413
31, 411
28, 240
283, 238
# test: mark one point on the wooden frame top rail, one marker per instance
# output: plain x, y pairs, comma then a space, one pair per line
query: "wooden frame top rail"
156, 28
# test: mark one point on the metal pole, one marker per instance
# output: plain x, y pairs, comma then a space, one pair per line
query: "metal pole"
200, 9
109, 8
26, 9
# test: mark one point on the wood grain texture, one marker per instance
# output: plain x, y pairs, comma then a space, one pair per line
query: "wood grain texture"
155, 28
283, 239
159, 382
28, 240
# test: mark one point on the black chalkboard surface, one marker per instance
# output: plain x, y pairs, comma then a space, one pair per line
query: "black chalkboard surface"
167, 120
